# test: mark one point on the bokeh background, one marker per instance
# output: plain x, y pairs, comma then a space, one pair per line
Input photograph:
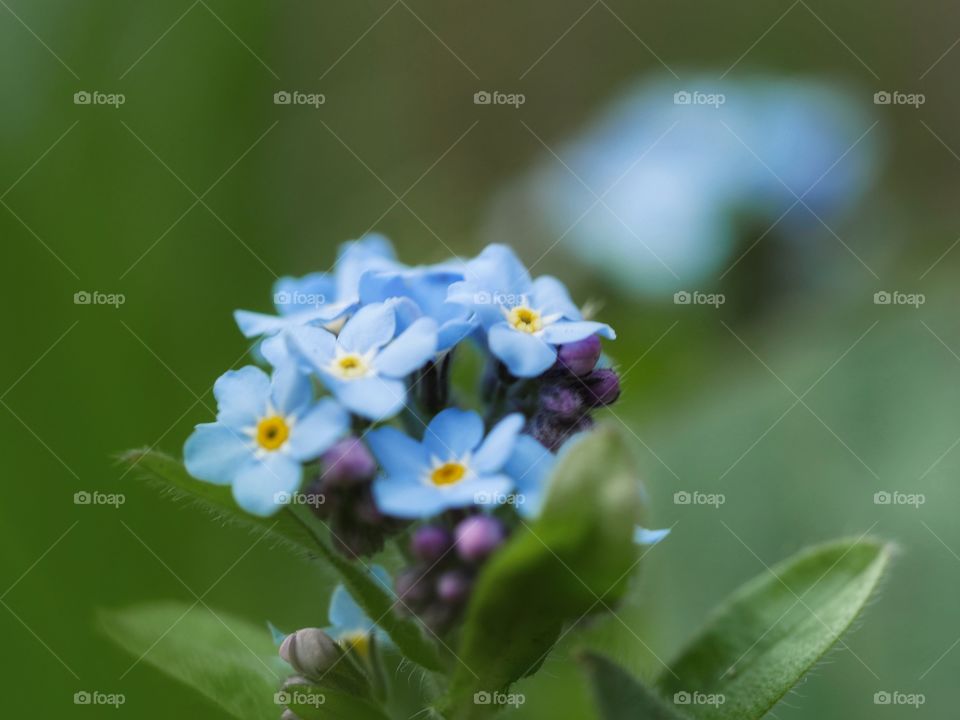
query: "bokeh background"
797, 198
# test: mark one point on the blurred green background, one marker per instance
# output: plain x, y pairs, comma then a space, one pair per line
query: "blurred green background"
191, 197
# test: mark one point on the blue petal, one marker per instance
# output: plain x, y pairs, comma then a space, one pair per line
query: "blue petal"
344, 613
253, 324
216, 453
315, 345
242, 396
397, 453
643, 536
375, 398
291, 390
525, 355
260, 487
314, 433
407, 497
370, 328
499, 444
410, 351
530, 467
493, 279
550, 296
452, 332
453, 433
310, 292
481, 490
567, 332
371, 253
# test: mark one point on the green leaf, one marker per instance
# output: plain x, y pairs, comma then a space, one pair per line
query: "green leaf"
312, 702
379, 606
576, 557
230, 661
620, 696
775, 628
297, 532
171, 476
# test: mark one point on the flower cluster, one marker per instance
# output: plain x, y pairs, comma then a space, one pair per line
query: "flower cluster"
359, 420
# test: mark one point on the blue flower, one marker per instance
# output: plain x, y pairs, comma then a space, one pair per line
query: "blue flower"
646, 536
524, 319
427, 288
366, 364
454, 466
322, 299
265, 430
349, 624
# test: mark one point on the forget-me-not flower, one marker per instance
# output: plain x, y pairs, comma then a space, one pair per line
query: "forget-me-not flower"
365, 366
349, 624
452, 467
427, 288
265, 429
530, 466
525, 319
322, 299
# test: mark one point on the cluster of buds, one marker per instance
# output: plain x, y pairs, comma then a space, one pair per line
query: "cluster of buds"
436, 587
347, 473
570, 391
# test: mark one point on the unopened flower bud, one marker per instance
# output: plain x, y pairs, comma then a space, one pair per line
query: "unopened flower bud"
453, 587
310, 651
579, 357
348, 462
289, 715
430, 542
603, 387
561, 400
478, 537
552, 431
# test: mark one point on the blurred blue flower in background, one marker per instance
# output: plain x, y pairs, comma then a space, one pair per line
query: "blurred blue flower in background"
675, 173
349, 624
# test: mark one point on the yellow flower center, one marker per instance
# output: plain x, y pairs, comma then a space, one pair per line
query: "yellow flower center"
350, 366
448, 474
358, 642
272, 432
525, 319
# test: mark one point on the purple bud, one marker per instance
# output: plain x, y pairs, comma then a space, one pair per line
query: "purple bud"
552, 431
430, 542
478, 537
561, 400
579, 357
453, 587
603, 387
347, 463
